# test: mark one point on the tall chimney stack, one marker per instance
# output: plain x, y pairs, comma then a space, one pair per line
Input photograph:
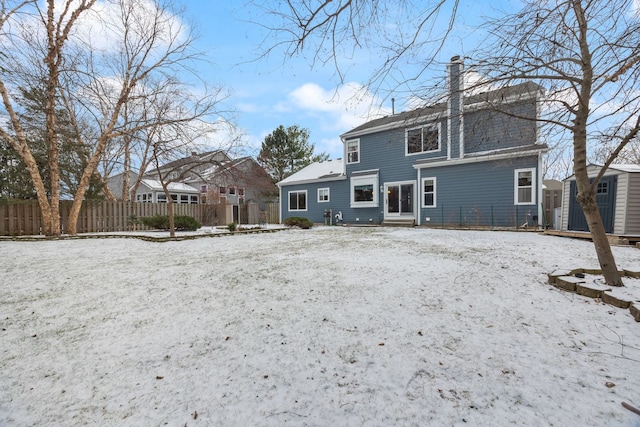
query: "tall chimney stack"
456, 107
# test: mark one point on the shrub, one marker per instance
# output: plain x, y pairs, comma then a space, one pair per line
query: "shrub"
181, 222
296, 221
232, 226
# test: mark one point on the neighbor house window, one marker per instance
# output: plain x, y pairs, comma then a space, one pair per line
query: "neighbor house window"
428, 192
423, 139
222, 190
240, 191
353, 151
364, 191
298, 200
162, 198
232, 190
323, 195
193, 199
203, 188
525, 193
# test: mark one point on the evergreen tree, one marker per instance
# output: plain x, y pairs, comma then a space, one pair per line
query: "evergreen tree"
15, 182
287, 150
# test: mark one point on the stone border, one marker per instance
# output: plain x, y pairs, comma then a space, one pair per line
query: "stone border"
569, 280
146, 238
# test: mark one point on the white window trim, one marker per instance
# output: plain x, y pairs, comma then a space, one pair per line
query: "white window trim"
437, 126
306, 198
516, 187
435, 192
365, 180
346, 147
328, 195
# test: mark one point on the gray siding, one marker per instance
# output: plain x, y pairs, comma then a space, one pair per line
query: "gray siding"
488, 130
479, 194
338, 199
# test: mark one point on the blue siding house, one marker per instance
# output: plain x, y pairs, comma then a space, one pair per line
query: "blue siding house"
470, 161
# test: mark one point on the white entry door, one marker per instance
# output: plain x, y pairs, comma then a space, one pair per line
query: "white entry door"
399, 199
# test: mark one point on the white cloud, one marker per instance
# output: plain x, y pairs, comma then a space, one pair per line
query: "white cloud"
339, 110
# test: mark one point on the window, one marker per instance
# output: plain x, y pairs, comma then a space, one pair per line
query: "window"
603, 187
184, 198
353, 151
232, 190
240, 191
525, 193
222, 190
323, 195
203, 188
162, 198
428, 192
423, 139
298, 200
193, 199
364, 193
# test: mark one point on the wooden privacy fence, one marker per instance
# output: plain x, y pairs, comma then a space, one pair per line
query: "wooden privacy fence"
24, 218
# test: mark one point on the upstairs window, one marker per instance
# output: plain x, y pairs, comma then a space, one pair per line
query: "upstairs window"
232, 191
423, 139
525, 193
353, 151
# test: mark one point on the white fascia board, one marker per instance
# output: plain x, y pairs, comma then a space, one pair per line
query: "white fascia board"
479, 159
311, 181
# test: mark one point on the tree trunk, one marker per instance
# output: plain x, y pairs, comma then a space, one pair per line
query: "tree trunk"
587, 199
172, 222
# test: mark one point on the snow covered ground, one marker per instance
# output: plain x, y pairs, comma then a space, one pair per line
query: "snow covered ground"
329, 326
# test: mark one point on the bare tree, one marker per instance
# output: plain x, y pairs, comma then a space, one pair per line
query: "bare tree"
586, 54
91, 79
400, 32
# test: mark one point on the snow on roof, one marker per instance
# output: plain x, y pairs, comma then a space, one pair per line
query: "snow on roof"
626, 168
317, 171
173, 186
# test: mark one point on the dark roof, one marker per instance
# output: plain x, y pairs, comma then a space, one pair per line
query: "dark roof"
498, 95
200, 158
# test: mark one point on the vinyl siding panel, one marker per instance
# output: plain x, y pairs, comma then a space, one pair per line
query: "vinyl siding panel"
338, 198
479, 194
633, 204
488, 130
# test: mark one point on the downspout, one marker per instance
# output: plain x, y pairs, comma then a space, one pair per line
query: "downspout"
280, 204
540, 195
419, 198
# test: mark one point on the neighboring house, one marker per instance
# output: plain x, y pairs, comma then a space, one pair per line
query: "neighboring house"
473, 160
236, 181
150, 191
210, 177
618, 198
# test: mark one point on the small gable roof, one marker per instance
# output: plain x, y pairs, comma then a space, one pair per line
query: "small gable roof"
327, 170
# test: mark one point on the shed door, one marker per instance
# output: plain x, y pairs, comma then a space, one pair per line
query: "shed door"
606, 199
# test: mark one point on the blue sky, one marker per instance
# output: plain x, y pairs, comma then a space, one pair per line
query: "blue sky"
266, 93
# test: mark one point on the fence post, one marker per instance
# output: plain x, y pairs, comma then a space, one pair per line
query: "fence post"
492, 223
